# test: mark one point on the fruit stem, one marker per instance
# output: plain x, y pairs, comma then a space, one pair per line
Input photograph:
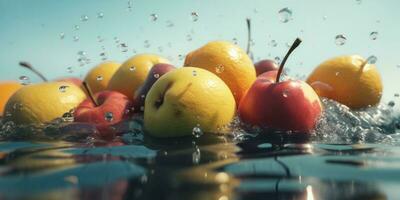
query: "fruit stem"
295, 44
363, 65
248, 35
30, 67
89, 91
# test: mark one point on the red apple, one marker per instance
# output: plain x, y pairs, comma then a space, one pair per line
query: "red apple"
266, 65
155, 73
105, 110
288, 105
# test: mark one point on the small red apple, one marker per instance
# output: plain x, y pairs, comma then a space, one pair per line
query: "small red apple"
288, 105
155, 73
266, 65
105, 110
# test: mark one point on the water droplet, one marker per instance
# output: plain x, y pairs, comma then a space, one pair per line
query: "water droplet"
82, 53
277, 60
181, 57
396, 95
285, 15
373, 35
219, 69
358, 2
146, 44
17, 106
285, 93
100, 39
153, 17
325, 17
160, 49
63, 88
235, 41
197, 132
189, 37
340, 40
273, 43
76, 38
391, 104
196, 156
156, 75
288, 45
100, 15
337, 73
70, 70
398, 66
76, 27
109, 116
195, 16
372, 59
24, 80
169, 23
99, 78
194, 73
133, 68
62, 36
84, 18
130, 2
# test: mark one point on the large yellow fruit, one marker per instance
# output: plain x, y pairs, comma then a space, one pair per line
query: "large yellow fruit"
349, 80
7, 88
133, 72
43, 102
227, 61
185, 98
99, 77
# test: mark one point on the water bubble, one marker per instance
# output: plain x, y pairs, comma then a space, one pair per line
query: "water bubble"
219, 69
146, 44
103, 55
70, 70
373, 35
277, 60
24, 80
109, 116
197, 132
76, 38
99, 78
189, 37
372, 59
76, 27
100, 15
195, 16
84, 18
391, 104
285, 15
181, 57
235, 41
82, 53
133, 68
340, 40
62, 35
194, 73
153, 17
273, 43
169, 23
156, 75
196, 156
63, 88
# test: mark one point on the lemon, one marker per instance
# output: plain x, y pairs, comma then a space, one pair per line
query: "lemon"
227, 61
188, 100
349, 80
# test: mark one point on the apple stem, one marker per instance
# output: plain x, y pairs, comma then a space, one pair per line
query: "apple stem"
90, 93
30, 67
363, 65
295, 44
248, 35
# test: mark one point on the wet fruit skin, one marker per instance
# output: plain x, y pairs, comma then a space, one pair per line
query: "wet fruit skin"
7, 89
185, 98
344, 80
287, 105
266, 65
227, 61
99, 76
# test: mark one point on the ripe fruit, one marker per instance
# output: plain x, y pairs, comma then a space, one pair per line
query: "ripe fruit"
43, 102
227, 61
350, 80
99, 76
74, 80
7, 89
104, 110
186, 98
287, 105
155, 73
263, 66
132, 73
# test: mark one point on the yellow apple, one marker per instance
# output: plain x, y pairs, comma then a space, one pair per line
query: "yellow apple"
7, 88
188, 98
99, 76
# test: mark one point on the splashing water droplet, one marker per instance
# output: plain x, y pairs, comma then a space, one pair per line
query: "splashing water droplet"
372, 59
84, 18
63, 88
358, 2
153, 17
133, 68
70, 70
189, 37
109, 116
76, 38
285, 15
169, 23
373, 35
235, 41
396, 95
197, 132
196, 156
156, 75
181, 57
99, 78
194, 73
273, 43
195, 16
76, 27
391, 104
285, 93
340, 40
100, 15
325, 17
219, 69
146, 44
277, 60
337, 73
62, 36
160, 49
82, 53
24, 80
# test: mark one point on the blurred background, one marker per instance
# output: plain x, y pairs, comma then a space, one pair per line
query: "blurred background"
67, 38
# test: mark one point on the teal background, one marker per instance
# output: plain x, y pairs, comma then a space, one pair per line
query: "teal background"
30, 30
